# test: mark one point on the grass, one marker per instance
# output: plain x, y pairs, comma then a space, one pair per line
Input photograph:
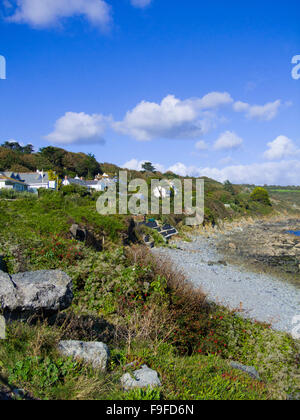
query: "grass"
144, 310
285, 191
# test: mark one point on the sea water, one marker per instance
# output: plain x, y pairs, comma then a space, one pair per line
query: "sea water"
294, 232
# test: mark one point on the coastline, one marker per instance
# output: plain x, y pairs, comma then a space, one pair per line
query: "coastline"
256, 295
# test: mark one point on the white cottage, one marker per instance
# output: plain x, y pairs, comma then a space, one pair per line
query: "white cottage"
12, 184
34, 180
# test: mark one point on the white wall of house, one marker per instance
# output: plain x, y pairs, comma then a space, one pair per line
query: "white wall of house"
3, 185
10, 186
38, 186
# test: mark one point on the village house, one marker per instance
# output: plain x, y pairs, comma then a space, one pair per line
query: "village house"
12, 184
162, 192
100, 183
34, 180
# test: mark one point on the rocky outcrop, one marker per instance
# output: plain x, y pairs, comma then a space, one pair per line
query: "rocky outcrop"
143, 378
250, 370
266, 244
97, 354
34, 293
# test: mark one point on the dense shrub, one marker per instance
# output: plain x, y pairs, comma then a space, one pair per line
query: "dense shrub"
75, 189
56, 252
13, 195
261, 195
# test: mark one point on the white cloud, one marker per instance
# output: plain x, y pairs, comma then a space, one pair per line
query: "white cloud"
140, 3
78, 127
183, 170
136, 165
272, 173
228, 140
172, 118
201, 145
285, 172
280, 148
214, 100
265, 112
241, 106
43, 13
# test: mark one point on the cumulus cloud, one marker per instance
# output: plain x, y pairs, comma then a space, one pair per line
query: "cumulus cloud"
136, 165
43, 13
214, 100
140, 3
281, 147
227, 141
172, 118
286, 172
183, 170
265, 112
78, 127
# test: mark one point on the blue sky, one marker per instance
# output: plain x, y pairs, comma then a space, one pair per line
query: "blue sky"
202, 88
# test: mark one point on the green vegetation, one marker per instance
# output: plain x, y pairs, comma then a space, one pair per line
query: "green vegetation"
261, 195
145, 311
222, 201
148, 167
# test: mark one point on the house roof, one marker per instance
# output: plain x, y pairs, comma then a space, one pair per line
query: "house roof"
84, 183
29, 177
34, 178
91, 182
3, 177
80, 182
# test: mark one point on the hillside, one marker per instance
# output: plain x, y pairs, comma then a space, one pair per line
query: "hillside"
142, 308
222, 201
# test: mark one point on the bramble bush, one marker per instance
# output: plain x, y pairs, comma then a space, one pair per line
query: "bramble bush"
56, 252
261, 195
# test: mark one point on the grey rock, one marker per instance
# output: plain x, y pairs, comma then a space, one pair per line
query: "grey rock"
38, 292
143, 378
90, 352
250, 370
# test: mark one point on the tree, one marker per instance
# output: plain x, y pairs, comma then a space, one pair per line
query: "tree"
229, 187
53, 177
28, 149
51, 158
88, 167
12, 145
261, 195
16, 147
148, 167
